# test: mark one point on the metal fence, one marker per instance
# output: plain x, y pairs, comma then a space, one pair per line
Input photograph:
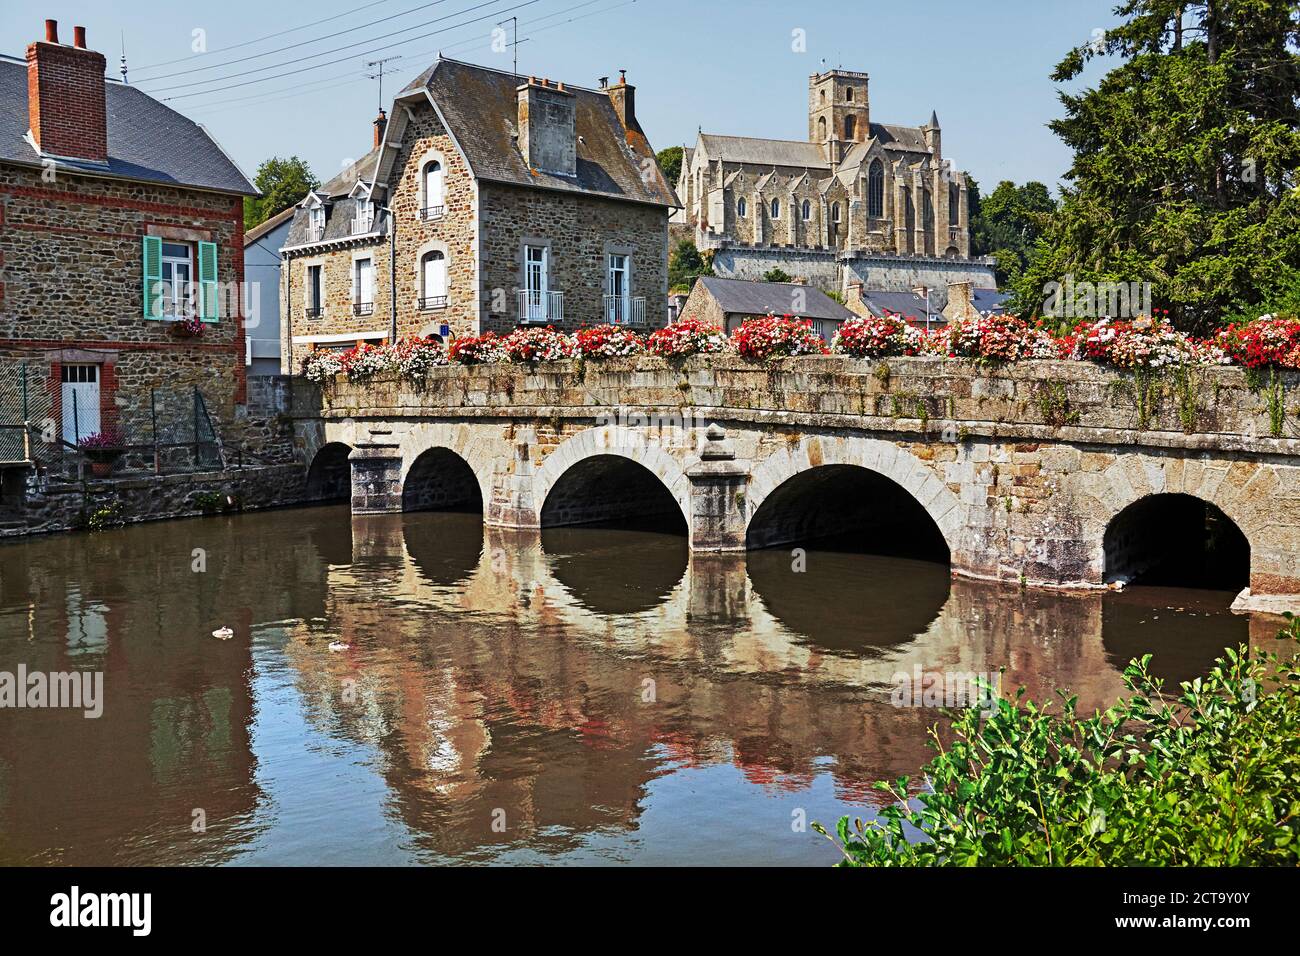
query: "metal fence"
65, 424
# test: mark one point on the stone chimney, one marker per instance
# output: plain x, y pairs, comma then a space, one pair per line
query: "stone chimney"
854, 302
381, 124
961, 302
623, 95
547, 127
65, 97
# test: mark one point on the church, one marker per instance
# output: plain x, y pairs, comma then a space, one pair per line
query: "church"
859, 206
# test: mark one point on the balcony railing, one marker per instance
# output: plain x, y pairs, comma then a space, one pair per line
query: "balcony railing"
315, 233
433, 302
314, 313
363, 308
540, 307
433, 212
625, 310
362, 225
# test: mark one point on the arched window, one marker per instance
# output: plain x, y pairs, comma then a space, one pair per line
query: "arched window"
850, 125
835, 212
876, 189
807, 210
927, 210
776, 209
821, 127
433, 280
848, 95
740, 207
954, 204
432, 188
823, 97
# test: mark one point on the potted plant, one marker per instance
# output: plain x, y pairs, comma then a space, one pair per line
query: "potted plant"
191, 328
103, 448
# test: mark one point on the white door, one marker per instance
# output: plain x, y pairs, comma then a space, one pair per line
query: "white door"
80, 398
535, 281
620, 304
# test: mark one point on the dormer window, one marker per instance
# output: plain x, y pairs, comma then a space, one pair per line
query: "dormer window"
365, 218
316, 222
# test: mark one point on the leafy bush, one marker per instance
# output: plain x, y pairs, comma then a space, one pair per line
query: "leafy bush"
1207, 777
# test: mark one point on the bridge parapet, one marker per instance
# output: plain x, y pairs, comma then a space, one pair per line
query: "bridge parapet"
1024, 469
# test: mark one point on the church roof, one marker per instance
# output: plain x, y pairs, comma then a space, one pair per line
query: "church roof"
899, 137
763, 152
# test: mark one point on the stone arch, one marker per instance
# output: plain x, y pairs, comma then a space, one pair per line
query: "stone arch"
329, 476
1183, 539
430, 155
881, 457
619, 442
463, 440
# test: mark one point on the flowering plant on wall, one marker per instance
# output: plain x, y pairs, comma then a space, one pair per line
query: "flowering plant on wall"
477, 349
871, 336
686, 337
533, 344
1268, 341
608, 341
190, 328
993, 338
410, 358
771, 337
106, 440
1144, 343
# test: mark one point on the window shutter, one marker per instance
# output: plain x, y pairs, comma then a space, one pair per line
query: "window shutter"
151, 256
208, 281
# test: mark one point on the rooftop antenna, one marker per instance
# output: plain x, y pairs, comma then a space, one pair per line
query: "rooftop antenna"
123, 66
514, 43
380, 74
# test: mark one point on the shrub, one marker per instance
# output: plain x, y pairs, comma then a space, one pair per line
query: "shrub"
993, 338
1268, 341
608, 341
107, 439
1146, 344
1206, 777
535, 344
871, 337
688, 337
771, 337
477, 349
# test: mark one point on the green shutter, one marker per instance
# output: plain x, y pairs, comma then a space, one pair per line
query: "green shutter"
208, 281
152, 257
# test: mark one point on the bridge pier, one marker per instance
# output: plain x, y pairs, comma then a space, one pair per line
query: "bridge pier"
719, 484
376, 478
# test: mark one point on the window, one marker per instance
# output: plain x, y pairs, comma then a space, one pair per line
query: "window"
821, 127
835, 212
876, 189
848, 95
433, 280
178, 280
316, 222
850, 126
618, 302
776, 209
954, 204
535, 299
314, 297
431, 188
363, 287
365, 217
740, 207
927, 210
807, 210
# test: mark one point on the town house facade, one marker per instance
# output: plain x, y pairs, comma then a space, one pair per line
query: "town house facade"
488, 201
121, 226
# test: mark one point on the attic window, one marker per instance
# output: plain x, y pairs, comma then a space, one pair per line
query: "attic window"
316, 221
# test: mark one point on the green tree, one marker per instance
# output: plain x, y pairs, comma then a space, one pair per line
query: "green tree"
1185, 159
686, 264
777, 274
670, 161
282, 183
1007, 224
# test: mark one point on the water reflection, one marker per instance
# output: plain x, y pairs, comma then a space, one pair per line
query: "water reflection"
583, 694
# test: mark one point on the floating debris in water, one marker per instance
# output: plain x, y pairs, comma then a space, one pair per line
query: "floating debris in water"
223, 633
337, 646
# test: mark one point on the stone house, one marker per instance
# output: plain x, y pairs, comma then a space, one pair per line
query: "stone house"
727, 303
859, 201
487, 202
118, 217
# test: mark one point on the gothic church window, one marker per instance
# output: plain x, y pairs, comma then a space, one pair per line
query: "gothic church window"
821, 127
776, 209
850, 124
807, 210
740, 207
954, 204
876, 189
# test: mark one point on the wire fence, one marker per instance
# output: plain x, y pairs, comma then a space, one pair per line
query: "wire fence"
66, 420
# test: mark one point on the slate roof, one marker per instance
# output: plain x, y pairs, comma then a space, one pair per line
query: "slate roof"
363, 168
989, 300
261, 229
147, 141
907, 304
763, 152
480, 106
338, 223
748, 297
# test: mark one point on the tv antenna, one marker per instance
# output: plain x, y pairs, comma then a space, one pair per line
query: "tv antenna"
379, 75
514, 43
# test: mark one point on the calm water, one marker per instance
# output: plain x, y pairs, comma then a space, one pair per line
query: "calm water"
585, 695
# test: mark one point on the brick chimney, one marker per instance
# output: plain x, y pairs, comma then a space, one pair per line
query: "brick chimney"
65, 97
623, 95
547, 127
381, 123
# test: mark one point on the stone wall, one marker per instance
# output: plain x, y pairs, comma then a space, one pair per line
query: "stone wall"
1022, 468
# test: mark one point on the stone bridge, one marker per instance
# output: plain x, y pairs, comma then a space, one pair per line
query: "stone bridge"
1052, 474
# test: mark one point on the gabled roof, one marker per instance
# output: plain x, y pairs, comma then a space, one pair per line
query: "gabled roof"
270, 225
147, 141
763, 152
900, 137
361, 169
907, 304
748, 297
480, 107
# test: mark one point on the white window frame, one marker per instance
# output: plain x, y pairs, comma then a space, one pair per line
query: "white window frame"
363, 275
440, 285
433, 186
186, 297
619, 264
315, 288
316, 221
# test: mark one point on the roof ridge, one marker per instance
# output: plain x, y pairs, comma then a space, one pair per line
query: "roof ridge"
493, 69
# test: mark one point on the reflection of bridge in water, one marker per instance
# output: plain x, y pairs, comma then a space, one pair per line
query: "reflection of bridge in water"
508, 669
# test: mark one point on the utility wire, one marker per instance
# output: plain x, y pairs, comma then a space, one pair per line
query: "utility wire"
294, 46
306, 69
269, 36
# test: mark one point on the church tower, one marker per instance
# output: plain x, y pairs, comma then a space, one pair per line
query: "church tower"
839, 110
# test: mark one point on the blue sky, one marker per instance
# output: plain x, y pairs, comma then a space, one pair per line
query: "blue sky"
724, 65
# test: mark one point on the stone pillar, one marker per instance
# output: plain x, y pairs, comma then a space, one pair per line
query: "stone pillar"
718, 487
376, 479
